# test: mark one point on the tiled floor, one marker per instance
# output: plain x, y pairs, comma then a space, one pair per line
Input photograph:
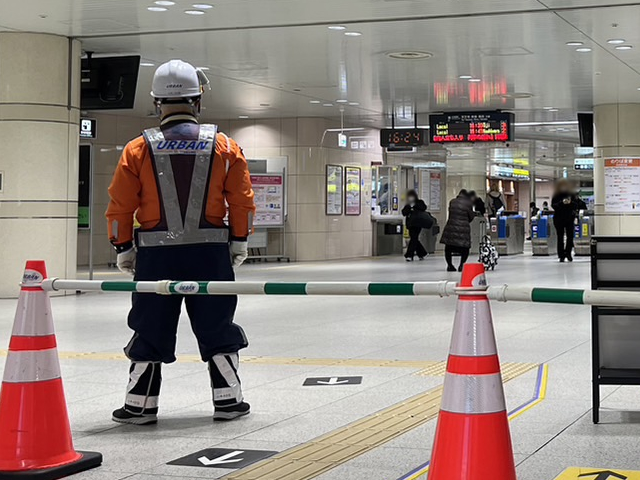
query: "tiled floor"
547, 439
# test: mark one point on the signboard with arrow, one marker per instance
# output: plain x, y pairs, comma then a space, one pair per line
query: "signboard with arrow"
331, 381
575, 473
222, 458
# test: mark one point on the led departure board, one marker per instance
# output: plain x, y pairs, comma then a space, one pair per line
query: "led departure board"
403, 137
471, 127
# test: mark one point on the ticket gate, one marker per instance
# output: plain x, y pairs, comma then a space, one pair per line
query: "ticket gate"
544, 239
478, 231
507, 233
583, 234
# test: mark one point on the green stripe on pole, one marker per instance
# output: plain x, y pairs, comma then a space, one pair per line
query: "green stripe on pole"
390, 289
553, 295
119, 286
285, 288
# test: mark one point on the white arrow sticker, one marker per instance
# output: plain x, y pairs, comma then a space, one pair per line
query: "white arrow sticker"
228, 458
332, 381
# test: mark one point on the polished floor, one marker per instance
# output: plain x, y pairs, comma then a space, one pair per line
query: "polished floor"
294, 338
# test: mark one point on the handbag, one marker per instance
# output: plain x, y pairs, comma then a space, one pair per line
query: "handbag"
420, 220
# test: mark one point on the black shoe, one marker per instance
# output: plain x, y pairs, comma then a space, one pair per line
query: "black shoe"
123, 416
570, 258
409, 259
421, 259
225, 414
561, 259
451, 268
460, 267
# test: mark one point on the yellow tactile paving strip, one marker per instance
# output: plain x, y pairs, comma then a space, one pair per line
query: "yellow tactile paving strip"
324, 453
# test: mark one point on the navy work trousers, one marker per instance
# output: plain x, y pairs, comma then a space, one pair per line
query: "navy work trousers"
154, 318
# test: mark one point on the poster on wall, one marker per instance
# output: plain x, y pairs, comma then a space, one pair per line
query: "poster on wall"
353, 192
269, 199
84, 187
335, 189
435, 191
425, 185
622, 184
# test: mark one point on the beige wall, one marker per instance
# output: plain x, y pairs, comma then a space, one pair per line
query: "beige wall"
310, 234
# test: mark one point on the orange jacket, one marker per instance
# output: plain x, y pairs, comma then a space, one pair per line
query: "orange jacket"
134, 190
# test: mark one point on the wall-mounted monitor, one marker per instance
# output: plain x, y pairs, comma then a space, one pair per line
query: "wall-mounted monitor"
109, 83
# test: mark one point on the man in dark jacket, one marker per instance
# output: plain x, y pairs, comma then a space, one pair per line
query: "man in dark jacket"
457, 232
565, 204
414, 204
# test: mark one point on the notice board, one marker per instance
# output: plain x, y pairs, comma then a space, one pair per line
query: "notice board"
353, 191
622, 184
431, 189
335, 190
269, 199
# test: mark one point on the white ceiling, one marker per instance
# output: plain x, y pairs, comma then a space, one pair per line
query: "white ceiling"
269, 58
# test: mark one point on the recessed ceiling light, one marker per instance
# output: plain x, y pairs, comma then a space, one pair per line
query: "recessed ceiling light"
583, 50
164, 3
244, 117
314, 101
410, 55
194, 12
202, 6
465, 77
337, 27
553, 110
616, 41
574, 44
342, 101
352, 34
624, 47
475, 80
547, 108
147, 64
157, 9
638, 88
354, 104
327, 104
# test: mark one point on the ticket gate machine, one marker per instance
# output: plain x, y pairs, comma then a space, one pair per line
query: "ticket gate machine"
544, 239
507, 233
583, 234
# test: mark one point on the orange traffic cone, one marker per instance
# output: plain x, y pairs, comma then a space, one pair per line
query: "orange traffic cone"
35, 436
472, 440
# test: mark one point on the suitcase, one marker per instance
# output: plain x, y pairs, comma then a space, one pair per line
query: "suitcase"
488, 253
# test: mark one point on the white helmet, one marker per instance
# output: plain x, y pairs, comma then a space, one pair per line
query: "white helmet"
177, 79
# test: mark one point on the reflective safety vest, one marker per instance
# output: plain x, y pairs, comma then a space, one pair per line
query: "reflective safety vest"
174, 229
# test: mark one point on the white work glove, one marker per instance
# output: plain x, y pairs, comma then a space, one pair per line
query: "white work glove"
239, 253
127, 261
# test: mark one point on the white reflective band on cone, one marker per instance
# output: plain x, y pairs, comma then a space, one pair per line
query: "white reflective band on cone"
233, 288
33, 316
31, 366
350, 288
471, 394
473, 330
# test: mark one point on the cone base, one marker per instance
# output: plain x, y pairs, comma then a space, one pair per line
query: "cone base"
87, 461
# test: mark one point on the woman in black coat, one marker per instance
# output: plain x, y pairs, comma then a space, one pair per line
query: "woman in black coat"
565, 204
457, 232
414, 204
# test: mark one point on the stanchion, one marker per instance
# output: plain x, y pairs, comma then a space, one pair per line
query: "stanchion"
472, 439
35, 436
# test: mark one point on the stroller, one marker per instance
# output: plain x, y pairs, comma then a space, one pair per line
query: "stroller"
488, 253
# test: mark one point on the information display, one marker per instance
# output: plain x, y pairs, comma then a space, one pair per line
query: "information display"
335, 190
622, 185
471, 127
353, 192
403, 137
431, 189
269, 199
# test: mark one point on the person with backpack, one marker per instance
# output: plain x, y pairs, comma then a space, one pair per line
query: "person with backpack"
417, 218
495, 201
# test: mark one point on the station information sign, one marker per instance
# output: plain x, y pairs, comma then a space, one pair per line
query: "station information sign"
471, 127
403, 137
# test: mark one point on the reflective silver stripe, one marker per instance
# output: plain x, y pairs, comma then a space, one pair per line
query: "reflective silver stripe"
141, 401
31, 366
235, 390
33, 316
181, 232
473, 394
473, 330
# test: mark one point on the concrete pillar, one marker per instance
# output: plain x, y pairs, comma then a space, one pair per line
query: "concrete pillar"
616, 135
39, 117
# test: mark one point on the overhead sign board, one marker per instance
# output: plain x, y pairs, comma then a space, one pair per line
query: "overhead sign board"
474, 127
88, 128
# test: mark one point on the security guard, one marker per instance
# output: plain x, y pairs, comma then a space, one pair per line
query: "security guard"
178, 180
